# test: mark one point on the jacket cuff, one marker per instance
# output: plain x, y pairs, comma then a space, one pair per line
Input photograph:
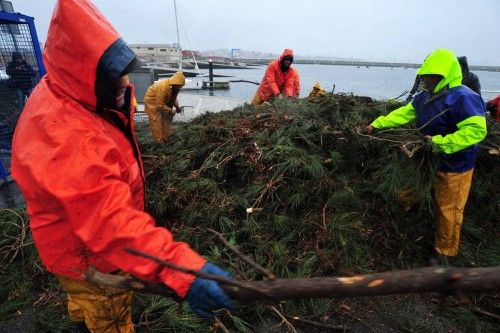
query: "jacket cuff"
178, 281
376, 124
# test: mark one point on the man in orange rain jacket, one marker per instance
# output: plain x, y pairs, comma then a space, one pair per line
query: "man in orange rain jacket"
78, 165
279, 79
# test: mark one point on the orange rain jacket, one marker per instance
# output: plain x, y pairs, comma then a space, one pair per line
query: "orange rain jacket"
495, 107
276, 82
80, 172
296, 83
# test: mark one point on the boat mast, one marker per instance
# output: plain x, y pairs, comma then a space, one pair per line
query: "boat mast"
179, 42
178, 38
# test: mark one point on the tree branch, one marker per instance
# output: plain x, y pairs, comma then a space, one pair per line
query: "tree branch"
423, 280
243, 257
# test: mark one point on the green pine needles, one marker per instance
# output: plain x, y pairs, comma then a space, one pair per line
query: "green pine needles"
297, 187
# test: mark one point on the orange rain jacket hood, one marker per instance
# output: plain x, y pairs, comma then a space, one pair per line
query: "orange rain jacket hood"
276, 82
79, 169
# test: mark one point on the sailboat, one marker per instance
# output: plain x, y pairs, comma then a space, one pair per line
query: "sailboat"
192, 83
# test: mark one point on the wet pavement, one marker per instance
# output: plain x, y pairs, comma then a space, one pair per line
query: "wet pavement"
196, 105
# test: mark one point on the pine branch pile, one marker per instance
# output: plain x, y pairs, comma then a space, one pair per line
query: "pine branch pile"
300, 189
297, 187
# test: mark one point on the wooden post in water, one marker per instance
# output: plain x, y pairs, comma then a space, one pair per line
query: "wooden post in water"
211, 74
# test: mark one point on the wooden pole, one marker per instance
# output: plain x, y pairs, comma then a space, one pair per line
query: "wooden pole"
211, 74
445, 280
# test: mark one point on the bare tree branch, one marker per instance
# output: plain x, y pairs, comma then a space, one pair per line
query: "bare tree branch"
243, 257
446, 280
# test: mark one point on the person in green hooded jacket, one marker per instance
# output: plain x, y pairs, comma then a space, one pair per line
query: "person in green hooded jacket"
452, 117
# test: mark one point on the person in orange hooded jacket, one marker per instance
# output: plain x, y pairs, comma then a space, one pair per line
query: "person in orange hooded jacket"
280, 79
78, 165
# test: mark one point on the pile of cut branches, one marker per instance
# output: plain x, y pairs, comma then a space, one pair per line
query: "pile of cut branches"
299, 188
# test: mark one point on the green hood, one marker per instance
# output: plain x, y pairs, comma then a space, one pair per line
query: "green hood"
445, 63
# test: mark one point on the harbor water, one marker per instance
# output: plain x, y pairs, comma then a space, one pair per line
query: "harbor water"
376, 82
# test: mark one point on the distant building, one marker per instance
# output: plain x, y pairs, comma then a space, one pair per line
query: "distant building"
188, 54
157, 53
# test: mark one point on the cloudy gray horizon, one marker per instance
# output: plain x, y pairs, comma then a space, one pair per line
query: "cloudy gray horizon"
382, 30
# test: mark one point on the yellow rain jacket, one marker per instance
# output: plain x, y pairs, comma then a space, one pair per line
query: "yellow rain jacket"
155, 103
316, 93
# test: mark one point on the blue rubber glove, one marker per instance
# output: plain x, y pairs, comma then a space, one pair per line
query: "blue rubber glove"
205, 296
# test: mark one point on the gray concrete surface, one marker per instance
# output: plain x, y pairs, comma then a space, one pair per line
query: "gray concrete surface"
196, 105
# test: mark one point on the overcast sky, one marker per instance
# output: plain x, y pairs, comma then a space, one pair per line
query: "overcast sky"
384, 30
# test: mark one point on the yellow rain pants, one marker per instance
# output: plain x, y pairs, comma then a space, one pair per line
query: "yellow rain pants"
160, 122
451, 193
103, 309
256, 99
159, 114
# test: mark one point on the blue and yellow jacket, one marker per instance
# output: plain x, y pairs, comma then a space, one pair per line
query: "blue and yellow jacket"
452, 114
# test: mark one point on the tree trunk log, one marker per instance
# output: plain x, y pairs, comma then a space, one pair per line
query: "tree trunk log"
446, 280
430, 279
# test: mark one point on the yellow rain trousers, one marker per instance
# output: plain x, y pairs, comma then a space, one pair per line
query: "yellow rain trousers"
257, 100
103, 309
451, 193
159, 114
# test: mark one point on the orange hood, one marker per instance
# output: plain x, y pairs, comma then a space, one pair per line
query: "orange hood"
81, 43
286, 53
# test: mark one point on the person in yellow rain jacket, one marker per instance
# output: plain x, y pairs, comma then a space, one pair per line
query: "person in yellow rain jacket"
452, 117
161, 104
317, 93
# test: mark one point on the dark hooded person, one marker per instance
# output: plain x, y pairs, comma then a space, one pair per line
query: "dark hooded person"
469, 79
20, 77
78, 165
